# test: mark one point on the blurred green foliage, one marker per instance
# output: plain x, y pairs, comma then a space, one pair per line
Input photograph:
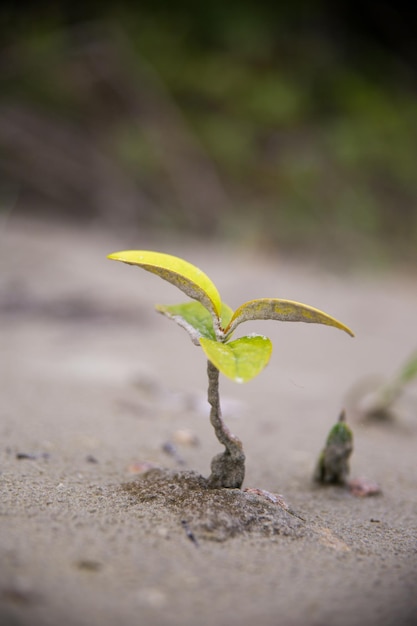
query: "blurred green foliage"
316, 144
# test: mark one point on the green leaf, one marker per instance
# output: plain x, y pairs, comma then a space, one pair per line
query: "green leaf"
282, 310
195, 319
191, 280
242, 359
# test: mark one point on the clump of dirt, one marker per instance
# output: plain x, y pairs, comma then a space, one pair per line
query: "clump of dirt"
214, 514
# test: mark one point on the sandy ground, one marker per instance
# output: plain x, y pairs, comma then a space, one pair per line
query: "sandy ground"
93, 383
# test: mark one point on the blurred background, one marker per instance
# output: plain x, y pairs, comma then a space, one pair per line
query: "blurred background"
281, 125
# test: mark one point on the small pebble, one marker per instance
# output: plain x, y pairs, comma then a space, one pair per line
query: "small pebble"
140, 467
88, 565
185, 437
31, 457
362, 488
171, 450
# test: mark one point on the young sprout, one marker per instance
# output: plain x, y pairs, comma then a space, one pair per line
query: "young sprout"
210, 324
333, 464
379, 403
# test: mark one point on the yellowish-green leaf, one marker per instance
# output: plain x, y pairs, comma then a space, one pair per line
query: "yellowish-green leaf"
187, 277
284, 311
242, 359
195, 319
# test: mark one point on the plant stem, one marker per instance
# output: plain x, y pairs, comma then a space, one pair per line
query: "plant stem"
228, 467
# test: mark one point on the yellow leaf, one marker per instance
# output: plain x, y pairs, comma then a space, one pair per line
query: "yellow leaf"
284, 311
190, 279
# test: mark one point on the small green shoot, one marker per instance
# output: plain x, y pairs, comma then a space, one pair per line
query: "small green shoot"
210, 324
379, 404
333, 464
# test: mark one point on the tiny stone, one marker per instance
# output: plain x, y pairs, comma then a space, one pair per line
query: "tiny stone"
185, 437
140, 467
362, 488
89, 565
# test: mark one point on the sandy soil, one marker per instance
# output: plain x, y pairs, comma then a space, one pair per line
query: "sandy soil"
94, 385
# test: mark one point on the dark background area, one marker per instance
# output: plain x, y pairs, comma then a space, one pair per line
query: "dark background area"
285, 125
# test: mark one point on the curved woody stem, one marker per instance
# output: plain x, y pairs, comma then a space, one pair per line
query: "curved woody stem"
228, 467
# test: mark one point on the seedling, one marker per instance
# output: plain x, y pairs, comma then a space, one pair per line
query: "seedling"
211, 323
379, 403
333, 463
